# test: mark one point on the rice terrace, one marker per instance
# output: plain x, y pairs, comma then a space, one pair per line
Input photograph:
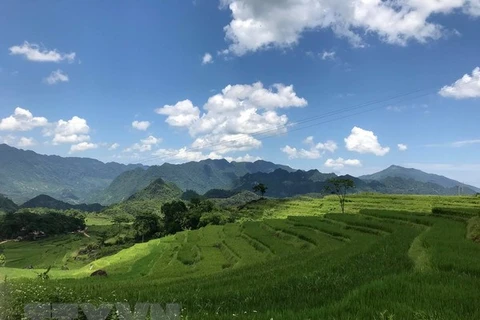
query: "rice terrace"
292, 259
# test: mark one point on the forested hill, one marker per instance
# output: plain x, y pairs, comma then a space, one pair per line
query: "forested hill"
7, 205
417, 175
26, 174
198, 176
284, 184
44, 201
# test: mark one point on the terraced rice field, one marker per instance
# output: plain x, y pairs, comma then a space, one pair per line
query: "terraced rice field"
376, 264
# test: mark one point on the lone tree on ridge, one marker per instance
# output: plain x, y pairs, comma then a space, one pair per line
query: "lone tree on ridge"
340, 187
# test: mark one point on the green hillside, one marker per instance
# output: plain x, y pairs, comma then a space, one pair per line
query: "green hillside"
7, 205
44, 201
197, 176
157, 190
25, 174
376, 264
417, 175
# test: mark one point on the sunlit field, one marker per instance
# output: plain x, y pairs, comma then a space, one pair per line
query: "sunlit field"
388, 257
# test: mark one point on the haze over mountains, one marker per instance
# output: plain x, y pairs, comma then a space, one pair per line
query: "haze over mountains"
25, 175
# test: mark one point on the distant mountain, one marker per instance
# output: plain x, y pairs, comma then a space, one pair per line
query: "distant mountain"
157, 190
420, 176
283, 184
26, 174
7, 205
197, 176
44, 201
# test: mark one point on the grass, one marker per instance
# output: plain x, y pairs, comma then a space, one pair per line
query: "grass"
392, 259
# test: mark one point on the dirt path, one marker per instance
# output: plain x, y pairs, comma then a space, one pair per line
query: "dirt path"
5, 241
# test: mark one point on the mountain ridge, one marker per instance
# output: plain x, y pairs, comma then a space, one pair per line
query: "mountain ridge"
25, 174
418, 175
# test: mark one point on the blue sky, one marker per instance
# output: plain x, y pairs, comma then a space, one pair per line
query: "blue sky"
311, 84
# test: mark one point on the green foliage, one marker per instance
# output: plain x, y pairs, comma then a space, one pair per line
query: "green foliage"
44, 201
146, 226
7, 205
260, 187
174, 216
158, 190
30, 225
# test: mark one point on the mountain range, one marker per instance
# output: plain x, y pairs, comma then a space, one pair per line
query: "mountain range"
199, 176
25, 175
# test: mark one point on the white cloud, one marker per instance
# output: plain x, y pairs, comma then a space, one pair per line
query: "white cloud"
207, 58
258, 25
233, 118
26, 142
18, 142
466, 87
144, 145
364, 141
340, 163
315, 151
33, 52
71, 131
245, 158
56, 77
455, 144
183, 154
22, 120
141, 125
465, 143
328, 55
182, 114
82, 146
402, 147
114, 146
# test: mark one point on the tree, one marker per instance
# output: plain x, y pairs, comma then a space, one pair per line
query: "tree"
146, 225
174, 216
339, 187
260, 187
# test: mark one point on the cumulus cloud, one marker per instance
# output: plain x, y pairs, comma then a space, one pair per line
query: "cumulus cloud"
33, 52
315, 151
245, 158
144, 145
466, 87
22, 120
71, 131
233, 118
141, 125
26, 142
184, 154
182, 114
402, 147
82, 146
114, 146
56, 77
257, 25
364, 141
207, 58
340, 163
